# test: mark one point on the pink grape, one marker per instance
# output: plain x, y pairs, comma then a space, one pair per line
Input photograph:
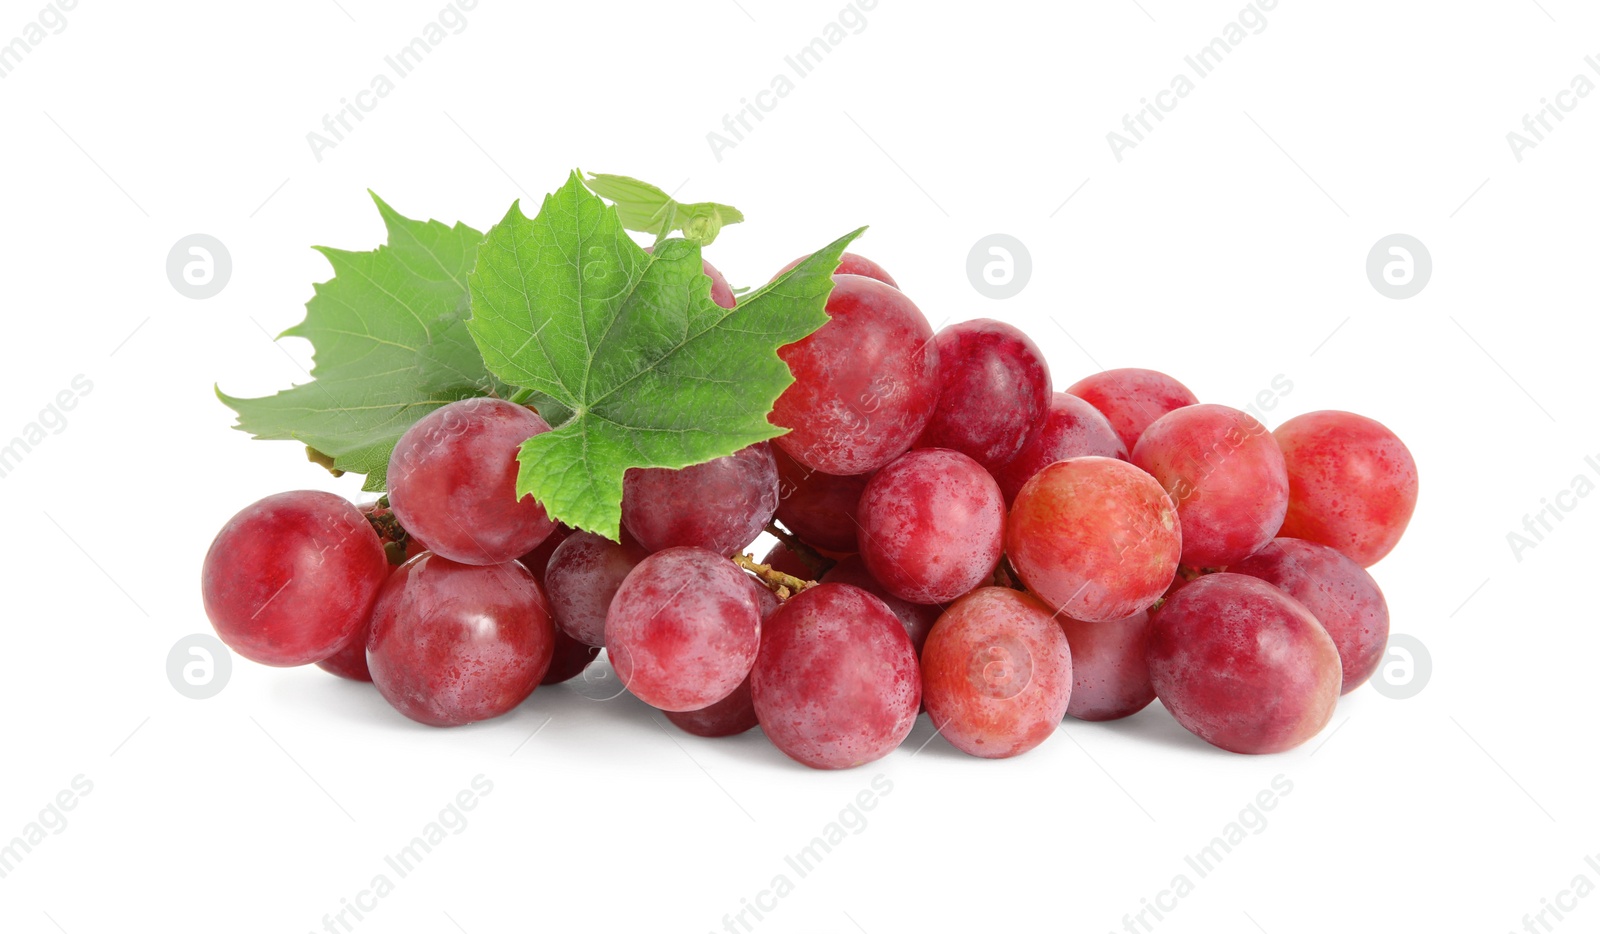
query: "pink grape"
1339, 593
1242, 665
1111, 675
917, 618
836, 683
569, 658
1071, 428
1132, 398
350, 661
851, 264
453, 480
538, 560
456, 643
820, 508
291, 578
994, 387
1352, 483
582, 577
730, 716
932, 525
683, 628
720, 505
1225, 472
997, 673
1095, 538
865, 383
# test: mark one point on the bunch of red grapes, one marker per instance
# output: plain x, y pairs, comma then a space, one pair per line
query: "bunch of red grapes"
955, 537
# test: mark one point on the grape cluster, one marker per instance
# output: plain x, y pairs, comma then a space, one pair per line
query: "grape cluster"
955, 537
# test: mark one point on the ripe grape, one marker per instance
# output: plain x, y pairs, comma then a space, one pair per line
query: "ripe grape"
350, 661
456, 643
569, 659
683, 628
291, 578
865, 382
1339, 593
1243, 665
836, 682
780, 557
453, 479
1071, 428
917, 618
721, 292
994, 387
932, 525
1352, 483
1111, 675
538, 560
720, 505
1131, 399
820, 508
851, 264
730, 716
1226, 475
582, 577
1095, 538
997, 673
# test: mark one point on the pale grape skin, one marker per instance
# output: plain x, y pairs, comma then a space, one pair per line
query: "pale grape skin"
818, 508
568, 659
1095, 538
865, 383
850, 264
683, 628
721, 293
931, 525
1242, 665
1071, 428
836, 682
454, 643
1225, 473
582, 576
1352, 483
997, 673
917, 618
994, 387
453, 481
1132, 398
1339, 593
720, 505
1111, 674
292, 578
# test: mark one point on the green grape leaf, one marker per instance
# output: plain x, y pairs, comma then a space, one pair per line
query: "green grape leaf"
390, 340
647, 209
654, 374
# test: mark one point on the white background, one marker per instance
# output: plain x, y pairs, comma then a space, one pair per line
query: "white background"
1226, 249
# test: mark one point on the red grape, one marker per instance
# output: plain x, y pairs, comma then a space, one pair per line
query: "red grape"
1352, 483
350, 661
453, 480
1242, 665
1226, 475
538, 560
865, 382
1111, 675
836, 682
1071, 428
917, 618
1131, 399
730, 716
820, 508
932, 525
582, 577
1094, 537
569, 659
291, 578
994, 387
683, 628
1339, 593
780, 557
456, 643
997, 673
851, 264
720, 505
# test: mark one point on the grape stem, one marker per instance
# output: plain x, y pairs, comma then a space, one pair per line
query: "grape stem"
807, 555
781, 584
